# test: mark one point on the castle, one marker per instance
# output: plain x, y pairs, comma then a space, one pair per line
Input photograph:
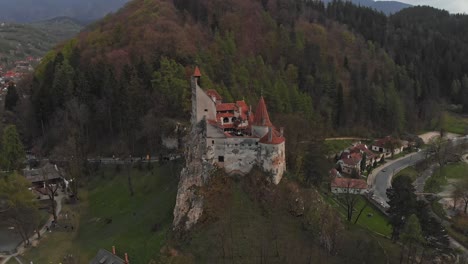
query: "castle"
236, 138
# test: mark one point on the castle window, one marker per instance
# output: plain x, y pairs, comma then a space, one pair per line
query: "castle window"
212, 142
220, 158
256, 143
225, 120
206, 110
234, 119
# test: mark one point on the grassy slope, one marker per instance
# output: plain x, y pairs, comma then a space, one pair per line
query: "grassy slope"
139, 223
242, 230
377, 223
246, 232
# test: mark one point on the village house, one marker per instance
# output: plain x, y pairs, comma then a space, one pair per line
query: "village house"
386, 145
350, 162
371, 157
346, 185
236, 137
48, 172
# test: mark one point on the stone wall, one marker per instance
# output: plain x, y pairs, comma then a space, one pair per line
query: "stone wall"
272, 159
240, 155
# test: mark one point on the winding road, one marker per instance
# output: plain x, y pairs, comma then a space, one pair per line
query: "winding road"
381, 178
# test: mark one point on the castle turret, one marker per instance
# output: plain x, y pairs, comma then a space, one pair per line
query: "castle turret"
261, 121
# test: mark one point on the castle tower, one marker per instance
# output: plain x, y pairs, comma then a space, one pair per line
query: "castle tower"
261, 121
193, 84
203, 106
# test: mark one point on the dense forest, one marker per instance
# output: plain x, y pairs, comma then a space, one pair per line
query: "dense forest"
339, 69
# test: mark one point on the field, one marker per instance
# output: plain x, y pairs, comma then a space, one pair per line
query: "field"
450, 171
108, 216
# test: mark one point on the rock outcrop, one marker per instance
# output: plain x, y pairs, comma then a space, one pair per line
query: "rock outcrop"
189, 201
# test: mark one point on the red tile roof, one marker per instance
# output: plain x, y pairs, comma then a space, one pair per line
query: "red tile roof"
349, 183
362, 148
226, 107
261, 114
243, 109
196, 73
222, 115
215, 94
353, 159
384, 141
276, 138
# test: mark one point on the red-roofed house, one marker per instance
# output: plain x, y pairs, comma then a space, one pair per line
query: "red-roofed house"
346, 185
371, 157
350, 162
236, 138
388, 144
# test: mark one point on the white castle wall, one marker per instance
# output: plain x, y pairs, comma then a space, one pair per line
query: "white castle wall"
273, 160
240, 154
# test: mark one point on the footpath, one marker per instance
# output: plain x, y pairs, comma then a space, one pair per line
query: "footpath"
33, 239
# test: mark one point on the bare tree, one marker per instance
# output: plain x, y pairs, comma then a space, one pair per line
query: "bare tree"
351, 198
51, 190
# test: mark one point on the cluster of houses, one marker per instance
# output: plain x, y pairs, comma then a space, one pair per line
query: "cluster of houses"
346, 176
16, 72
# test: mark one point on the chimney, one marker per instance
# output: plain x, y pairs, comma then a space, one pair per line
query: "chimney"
126, 258
282, 131
270, 134
113, 250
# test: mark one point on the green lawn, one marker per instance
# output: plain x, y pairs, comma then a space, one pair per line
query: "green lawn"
335, 146
107, 215
409, 171
377, 223
455, 123
450, 171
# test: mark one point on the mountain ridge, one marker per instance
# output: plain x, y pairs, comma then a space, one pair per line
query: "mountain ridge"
387, 7
26, 11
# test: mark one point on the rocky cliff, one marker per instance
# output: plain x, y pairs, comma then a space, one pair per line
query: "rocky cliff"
189, 201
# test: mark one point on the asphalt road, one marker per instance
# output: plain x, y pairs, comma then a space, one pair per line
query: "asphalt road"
383, 178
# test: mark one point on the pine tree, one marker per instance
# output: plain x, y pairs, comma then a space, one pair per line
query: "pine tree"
12, 152
402, 201
11, 98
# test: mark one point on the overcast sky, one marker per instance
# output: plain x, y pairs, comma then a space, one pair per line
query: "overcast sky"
454, 6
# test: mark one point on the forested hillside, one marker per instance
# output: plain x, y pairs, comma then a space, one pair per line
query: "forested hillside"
126, 77
430, 44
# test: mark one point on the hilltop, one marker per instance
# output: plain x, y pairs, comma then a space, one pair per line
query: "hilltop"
25, 11
18, 41
387, 7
